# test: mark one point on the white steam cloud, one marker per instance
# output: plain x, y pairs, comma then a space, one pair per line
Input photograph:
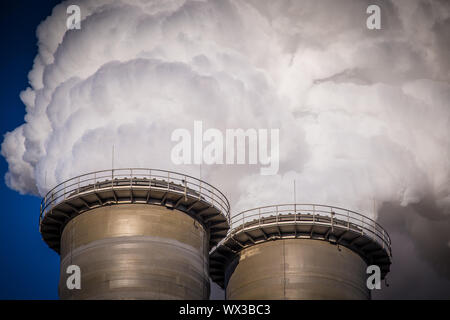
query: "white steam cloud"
364, 115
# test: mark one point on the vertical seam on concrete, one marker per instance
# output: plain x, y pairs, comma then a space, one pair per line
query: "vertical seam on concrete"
203, 266
71, 241
71, 247
284, 269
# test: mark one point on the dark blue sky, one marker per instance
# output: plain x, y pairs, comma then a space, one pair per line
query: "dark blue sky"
28, 269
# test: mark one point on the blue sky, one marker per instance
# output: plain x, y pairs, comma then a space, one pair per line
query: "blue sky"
28, 269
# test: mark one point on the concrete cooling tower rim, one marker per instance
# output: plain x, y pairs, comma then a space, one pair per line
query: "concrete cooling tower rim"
173, 190
302, 221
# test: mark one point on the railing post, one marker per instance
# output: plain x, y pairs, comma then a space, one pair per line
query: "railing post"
348, 219
185, 189
150, 179
200, 191
78, 190
276, 213
64, 190
295, 212
374, 229
362, 224
95, 180
332, 218
131, 178
259, 216
168, 180
314, 213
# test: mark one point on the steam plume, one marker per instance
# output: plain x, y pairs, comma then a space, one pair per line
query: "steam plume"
364, 115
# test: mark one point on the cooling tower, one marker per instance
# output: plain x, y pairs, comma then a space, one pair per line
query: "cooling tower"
135, 233
299, 251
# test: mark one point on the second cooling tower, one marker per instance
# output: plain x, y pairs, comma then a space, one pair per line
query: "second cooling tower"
299, 252
135, 233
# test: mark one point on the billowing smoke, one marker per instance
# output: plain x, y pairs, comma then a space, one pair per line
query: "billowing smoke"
363, 114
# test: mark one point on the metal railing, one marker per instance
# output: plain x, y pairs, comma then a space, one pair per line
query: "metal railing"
151, 179
311, 214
